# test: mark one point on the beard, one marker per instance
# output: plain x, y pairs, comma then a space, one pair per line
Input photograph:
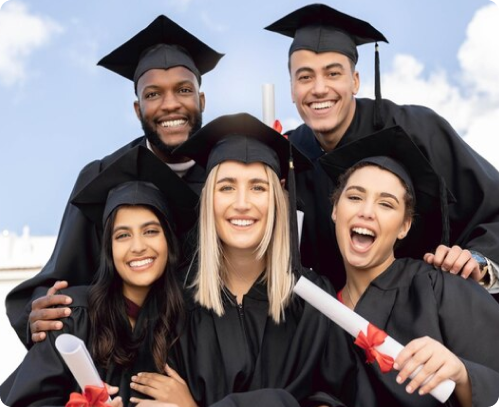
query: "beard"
155, 140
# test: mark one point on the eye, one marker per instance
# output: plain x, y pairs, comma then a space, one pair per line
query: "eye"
152, 231
333, 74
150, 95
304, 78
259, 188
354, 198
387, 204
185, 90
226, 188
121, 235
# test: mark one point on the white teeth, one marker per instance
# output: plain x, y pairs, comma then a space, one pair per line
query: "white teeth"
321, 105
173, 123
140, 263
242, 222
363, 231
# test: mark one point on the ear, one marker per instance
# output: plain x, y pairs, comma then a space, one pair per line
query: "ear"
283, 183
202, 101
404, 229
333, 215
356, 82
136, 106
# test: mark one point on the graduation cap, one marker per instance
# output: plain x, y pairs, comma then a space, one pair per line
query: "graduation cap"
394, 150
320, 28
241, 137
138, 177
163, 44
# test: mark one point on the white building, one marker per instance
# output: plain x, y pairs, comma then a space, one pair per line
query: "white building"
21, 257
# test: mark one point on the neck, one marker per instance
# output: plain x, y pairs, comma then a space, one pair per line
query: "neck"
243, 269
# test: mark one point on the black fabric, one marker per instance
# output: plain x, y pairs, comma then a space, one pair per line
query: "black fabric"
43, 379
410, 300
474, 218
76, 253
244, 350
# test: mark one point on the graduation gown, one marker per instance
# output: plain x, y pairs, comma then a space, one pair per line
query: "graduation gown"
410, 300
244, 350
474, 217
76, 254
43, 379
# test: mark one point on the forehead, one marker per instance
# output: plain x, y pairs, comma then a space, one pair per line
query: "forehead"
241, 171
316, 61
376, 179
166, 77
129, 215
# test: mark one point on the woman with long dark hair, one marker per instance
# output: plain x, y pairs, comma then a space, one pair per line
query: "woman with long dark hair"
128, 316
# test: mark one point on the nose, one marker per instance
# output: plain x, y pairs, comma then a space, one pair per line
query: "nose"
138, 244
170, 102
320, 86
366, 210
242, 203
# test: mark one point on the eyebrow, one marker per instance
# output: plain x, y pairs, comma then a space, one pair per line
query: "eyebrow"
233, 180
324, 68
144, 225
382, 194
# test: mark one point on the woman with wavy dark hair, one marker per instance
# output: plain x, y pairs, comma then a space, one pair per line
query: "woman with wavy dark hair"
128, 316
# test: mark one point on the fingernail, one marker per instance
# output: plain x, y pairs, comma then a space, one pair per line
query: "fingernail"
421, 392
67, 311
399, 379
67, 300
396, 366
58, 325
444, 269
408, 389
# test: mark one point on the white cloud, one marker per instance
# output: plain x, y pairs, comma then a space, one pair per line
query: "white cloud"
472, 105
2, 2
20, 34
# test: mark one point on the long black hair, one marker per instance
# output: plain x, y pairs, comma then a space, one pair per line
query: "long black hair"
111, 339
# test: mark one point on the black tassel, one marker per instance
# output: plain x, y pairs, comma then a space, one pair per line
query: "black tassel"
293, 221
378, 108
444, 208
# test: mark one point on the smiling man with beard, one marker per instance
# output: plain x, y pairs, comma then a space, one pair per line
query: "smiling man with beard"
165, 63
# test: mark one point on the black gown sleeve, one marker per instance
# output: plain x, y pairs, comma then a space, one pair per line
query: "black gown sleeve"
42, 378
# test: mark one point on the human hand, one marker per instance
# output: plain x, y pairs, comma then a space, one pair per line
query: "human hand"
170, 388
43, 317
455, 260
431, 363
155, 403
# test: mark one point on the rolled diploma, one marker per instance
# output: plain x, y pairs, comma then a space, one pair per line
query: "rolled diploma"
268, 104
76, 356
353, 323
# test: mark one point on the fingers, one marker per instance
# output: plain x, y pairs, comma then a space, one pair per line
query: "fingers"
48, 301
455, 260
58, 285
116, 402
111, 390
173, 374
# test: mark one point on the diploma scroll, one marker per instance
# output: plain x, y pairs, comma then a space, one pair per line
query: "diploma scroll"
354, 324
76, 356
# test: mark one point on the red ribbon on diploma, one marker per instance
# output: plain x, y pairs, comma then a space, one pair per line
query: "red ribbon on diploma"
93, 396
375, 337
277, 126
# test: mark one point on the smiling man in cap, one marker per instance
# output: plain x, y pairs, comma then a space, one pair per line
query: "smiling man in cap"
165, 63
324, 82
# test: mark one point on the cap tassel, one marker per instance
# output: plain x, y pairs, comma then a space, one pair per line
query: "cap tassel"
293, 221
378, 110
444, 208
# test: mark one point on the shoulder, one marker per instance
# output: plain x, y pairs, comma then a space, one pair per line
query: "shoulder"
78, 294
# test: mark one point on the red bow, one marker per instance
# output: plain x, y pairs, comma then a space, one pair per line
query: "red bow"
93, 396
375, 337
277, 126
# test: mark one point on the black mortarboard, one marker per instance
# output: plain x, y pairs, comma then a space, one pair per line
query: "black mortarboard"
163, 44
241, 137
138, 177
394, 150
320, 28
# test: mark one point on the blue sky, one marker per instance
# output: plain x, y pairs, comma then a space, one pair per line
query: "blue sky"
59, 110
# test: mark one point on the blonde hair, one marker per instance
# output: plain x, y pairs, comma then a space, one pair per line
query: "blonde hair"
274, 247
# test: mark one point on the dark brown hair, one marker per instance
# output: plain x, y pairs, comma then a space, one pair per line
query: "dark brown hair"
111, 339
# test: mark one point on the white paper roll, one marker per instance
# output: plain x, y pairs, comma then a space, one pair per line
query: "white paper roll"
76, 356
353, 323
268, 104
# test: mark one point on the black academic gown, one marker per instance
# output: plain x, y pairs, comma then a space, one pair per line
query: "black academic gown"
474, 217
244, 350
76, 254
43, 379
410, 300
